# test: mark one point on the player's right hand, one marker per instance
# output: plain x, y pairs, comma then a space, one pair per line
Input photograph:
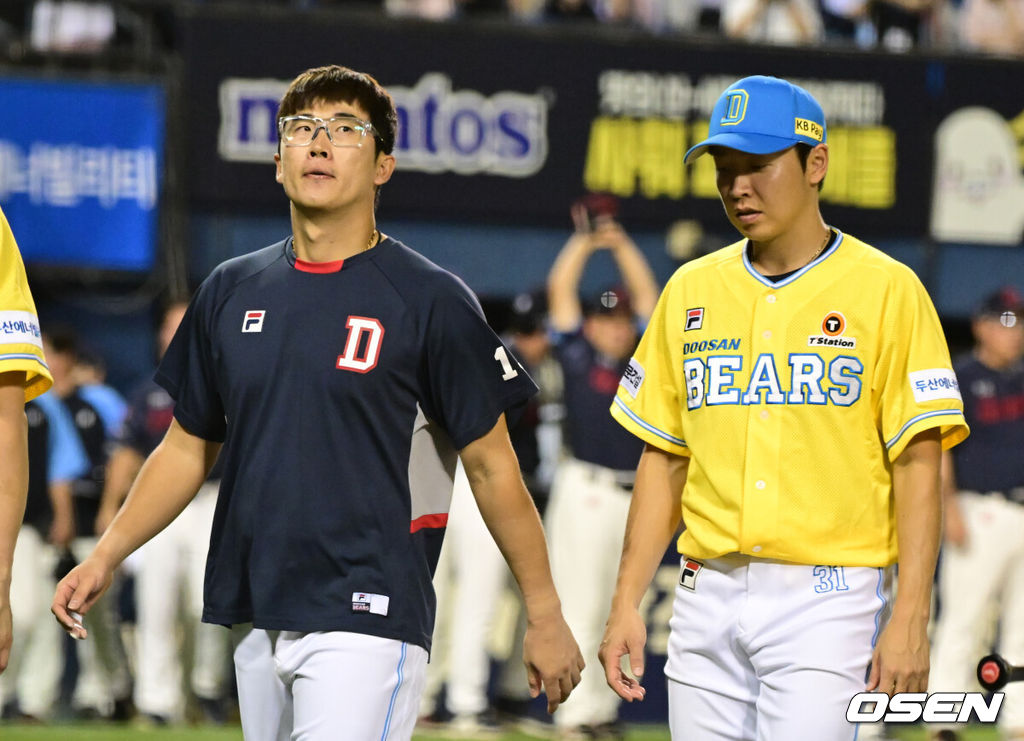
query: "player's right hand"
77, 593
553, 659
624, 635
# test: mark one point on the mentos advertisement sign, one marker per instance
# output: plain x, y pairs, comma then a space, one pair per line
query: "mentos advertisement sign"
441, 129
80, 169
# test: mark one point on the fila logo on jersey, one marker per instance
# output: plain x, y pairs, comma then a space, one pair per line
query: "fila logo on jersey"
688, 578
832, 326
253, 321
362, 348
694, 319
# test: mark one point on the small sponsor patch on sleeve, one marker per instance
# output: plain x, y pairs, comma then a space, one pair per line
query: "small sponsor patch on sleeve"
935, 383
20, 327
632, 378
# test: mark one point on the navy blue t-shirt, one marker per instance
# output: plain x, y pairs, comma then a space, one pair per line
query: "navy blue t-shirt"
341, 396
991, 458
591, 379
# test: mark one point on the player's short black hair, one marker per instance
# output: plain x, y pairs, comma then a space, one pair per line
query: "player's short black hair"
803, 151
337, 83
62, 338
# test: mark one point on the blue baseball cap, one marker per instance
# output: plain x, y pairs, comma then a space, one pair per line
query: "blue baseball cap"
761, 115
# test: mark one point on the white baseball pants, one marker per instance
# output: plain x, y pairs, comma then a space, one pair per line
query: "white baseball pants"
170, 573
586, 524
326, 686
972, 578
36, 662
762, 650
469, 580
103, 664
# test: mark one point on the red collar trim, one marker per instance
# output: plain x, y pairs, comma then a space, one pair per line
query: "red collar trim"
333, 266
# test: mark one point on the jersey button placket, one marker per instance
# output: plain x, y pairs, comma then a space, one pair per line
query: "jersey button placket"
760, 494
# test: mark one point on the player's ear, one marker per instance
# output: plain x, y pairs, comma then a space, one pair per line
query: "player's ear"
385, 168
278, 174
817, 164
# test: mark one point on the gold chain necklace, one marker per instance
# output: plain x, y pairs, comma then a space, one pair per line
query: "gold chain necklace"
374, 235
828, 238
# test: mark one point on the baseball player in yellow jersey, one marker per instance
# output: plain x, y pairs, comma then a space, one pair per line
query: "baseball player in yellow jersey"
23, 377
794, 391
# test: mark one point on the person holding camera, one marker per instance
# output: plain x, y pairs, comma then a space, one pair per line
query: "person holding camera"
586, 515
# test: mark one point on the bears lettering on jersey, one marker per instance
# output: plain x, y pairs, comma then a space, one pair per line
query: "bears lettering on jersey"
717, 379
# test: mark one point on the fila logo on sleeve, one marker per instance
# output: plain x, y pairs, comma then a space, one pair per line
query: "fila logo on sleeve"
694, 319
253, 321
362, 348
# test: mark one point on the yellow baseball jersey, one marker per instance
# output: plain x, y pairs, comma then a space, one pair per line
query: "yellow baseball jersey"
21, 346
792, 400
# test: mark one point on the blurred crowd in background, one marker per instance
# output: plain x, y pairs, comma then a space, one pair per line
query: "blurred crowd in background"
970, 26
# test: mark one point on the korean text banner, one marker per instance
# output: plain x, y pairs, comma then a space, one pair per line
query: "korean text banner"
80, 168
500, 123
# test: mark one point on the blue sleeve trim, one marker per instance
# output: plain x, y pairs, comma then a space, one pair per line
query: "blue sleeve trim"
23, 356
918, 418
650, 428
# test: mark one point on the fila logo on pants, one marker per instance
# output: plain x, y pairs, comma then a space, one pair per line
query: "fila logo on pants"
688, 578
362, 348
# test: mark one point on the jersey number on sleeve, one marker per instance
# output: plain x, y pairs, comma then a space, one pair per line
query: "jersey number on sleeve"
506, 365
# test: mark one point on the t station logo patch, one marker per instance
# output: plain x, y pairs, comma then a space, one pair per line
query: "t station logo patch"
688, 577
832, 328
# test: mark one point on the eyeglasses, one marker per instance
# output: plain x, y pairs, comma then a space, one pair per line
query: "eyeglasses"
342, 131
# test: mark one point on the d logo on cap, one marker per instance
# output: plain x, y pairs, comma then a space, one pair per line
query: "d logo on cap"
736, 108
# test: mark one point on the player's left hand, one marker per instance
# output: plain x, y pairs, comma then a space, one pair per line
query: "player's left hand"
624, 635
553, 659
900, 659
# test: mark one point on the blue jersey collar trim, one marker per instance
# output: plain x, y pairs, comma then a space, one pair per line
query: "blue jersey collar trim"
819, 259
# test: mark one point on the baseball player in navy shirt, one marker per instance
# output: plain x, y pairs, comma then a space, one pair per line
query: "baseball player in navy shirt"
338, 374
